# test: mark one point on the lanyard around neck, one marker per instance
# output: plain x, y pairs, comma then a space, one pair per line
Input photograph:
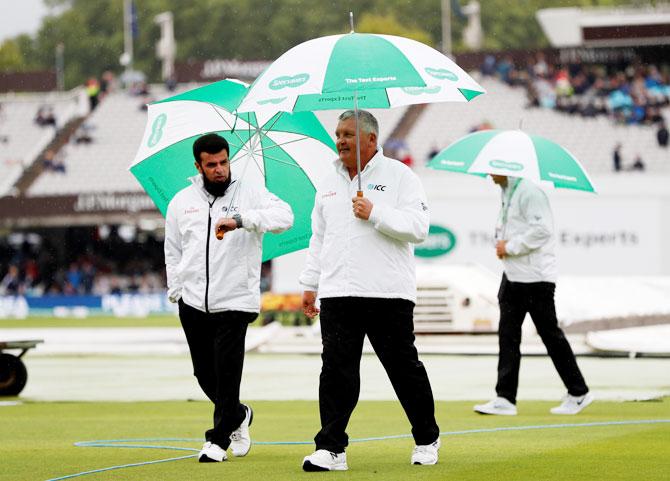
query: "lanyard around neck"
505, 206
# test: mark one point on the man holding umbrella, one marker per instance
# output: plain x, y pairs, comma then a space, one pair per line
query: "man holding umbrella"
361, 265
216, 282
525, 244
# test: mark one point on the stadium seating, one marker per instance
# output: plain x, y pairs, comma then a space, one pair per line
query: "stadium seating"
591, 140
21, 139
117, 126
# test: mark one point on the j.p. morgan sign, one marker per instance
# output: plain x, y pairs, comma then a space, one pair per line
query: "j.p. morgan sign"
440, 241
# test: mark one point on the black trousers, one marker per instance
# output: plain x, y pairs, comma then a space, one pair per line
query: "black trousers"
389, 325
216, 342
536, 298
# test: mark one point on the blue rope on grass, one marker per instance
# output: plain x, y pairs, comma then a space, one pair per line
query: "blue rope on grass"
120, 443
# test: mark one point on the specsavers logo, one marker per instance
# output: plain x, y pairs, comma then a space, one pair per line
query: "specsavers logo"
440, 241
157, 130
442, 74
503, 164
422, 90
289, 82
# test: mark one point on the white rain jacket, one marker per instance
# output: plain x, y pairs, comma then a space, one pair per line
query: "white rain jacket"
526, 222
214, 275
367, 258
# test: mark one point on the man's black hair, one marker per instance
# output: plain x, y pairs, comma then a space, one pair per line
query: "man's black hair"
210, 143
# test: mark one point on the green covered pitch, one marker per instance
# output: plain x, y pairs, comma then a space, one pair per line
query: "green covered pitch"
609, 441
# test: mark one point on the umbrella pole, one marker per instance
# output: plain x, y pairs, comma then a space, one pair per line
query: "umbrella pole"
359, 193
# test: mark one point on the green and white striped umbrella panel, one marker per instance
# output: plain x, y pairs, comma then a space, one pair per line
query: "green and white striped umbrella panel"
382, 71
288, 153
514, 153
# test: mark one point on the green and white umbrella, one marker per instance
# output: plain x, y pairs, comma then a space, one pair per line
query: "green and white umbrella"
378, 71
288, 153
358, 70
514, 153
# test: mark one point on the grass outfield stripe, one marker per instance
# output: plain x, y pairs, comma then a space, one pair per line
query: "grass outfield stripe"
116, 443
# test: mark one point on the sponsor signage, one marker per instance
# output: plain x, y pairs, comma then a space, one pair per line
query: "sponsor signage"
289, 82
50, 207
440, 241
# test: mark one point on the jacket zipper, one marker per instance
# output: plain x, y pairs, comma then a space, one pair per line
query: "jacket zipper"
209, 232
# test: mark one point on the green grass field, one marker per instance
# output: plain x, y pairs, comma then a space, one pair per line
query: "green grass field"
33, 322
37, 443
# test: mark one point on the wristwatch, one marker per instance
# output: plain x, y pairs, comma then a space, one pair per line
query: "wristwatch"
238, 220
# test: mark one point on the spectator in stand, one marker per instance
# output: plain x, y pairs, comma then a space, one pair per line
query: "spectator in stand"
45, 116
434, 150
662, 134
83, 134
93, 91
11, 284
139, 89
589, 110
505, 68
540, 69
73, 277
87, 276
107, 83
616, 157
407, 159
638, 164
484, 125
53, 161
563, 85
171, 83
488, 67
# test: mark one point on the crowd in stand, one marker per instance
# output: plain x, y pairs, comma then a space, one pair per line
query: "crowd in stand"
633, 94
87, 266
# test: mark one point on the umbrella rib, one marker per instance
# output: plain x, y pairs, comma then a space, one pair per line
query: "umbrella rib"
276, 119
275, 159
276, 145
228, 125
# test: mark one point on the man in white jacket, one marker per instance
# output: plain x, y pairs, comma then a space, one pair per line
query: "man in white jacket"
361, 264
217, 282
525, 244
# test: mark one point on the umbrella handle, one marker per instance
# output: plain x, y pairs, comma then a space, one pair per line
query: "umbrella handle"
359, 193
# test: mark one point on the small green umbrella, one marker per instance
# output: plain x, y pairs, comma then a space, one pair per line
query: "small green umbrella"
514, 153
288, 153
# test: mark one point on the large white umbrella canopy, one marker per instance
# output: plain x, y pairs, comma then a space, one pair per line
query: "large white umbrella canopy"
378, 71
358, 70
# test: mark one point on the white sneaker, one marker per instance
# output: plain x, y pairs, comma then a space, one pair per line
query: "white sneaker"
426, 454
240, 439
499, 405
573, 404
323, 460
212, 453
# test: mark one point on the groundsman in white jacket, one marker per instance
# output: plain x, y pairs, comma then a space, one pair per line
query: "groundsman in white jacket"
525, 244
361, 265
217, 281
